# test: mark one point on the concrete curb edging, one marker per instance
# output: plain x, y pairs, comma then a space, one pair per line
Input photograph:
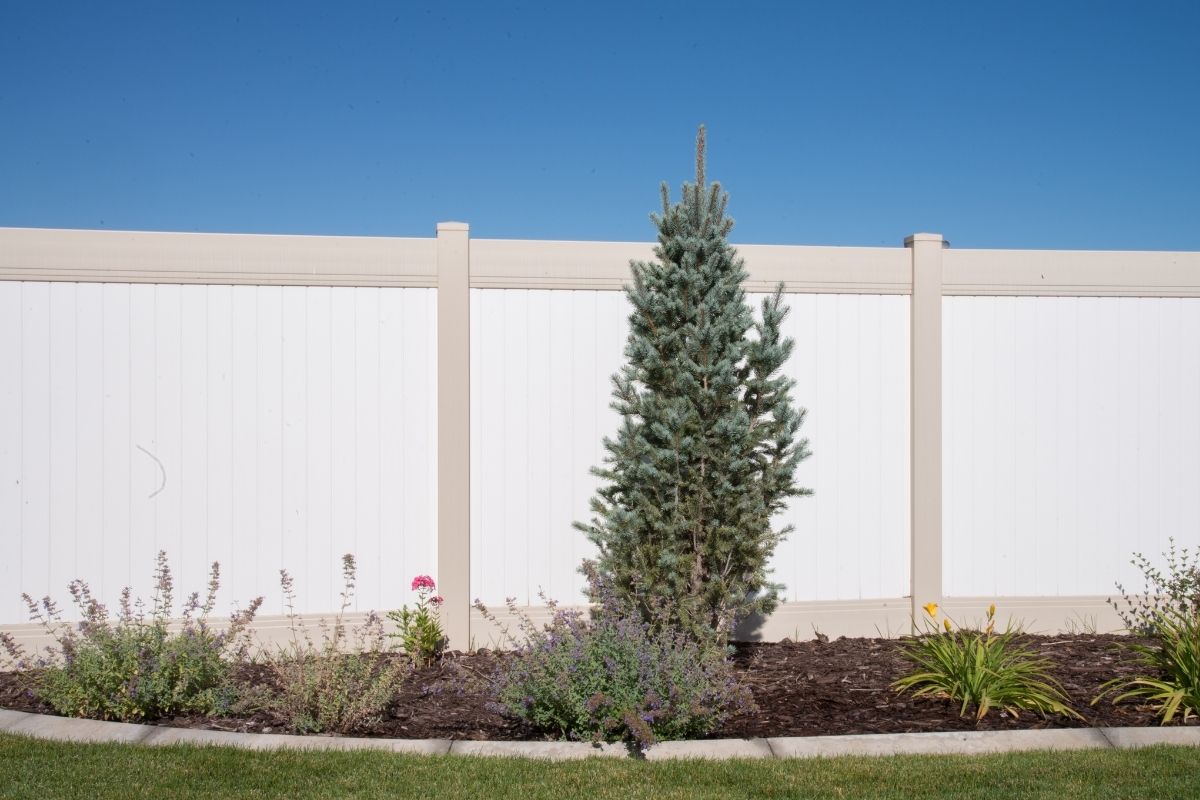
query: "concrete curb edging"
44, 726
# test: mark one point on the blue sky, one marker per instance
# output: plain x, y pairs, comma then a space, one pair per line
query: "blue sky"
1047, 124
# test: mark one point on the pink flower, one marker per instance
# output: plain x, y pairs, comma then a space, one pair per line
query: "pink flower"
423, 582
436, 600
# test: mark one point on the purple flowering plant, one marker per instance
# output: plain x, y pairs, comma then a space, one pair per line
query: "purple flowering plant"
140, 665
342, 680
615, 677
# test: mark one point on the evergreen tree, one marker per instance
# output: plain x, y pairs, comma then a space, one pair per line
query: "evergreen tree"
707, 449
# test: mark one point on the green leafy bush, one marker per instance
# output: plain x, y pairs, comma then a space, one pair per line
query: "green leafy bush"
1174, 663
980, 669
343, 683
137, 668
1174, 592
617, 678
420, 631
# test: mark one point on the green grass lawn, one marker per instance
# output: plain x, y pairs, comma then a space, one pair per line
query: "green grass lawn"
38, 770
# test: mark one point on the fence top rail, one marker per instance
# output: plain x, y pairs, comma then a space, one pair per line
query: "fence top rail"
535, 264
41, 254
46, 254
1071, 273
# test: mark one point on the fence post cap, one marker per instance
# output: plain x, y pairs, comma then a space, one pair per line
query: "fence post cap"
912, 239
452, 226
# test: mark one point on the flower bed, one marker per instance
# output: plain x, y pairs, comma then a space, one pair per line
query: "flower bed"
801, 689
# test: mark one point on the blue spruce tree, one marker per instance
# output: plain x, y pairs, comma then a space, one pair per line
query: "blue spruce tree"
707, 449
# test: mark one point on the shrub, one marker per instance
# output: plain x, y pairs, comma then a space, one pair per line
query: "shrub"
345, 682
420, 632
980, 669
706, 453
1174, 660
137, 668
1177, 592
618, 678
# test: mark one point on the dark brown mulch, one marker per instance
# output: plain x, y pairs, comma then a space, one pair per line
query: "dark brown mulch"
801, 688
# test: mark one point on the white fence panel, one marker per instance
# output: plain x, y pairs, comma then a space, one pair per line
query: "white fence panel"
1071, 440
293, 424
540, 391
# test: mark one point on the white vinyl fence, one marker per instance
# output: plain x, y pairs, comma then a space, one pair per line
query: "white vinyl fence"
985, 425
1072, 440
541, 367
262, 427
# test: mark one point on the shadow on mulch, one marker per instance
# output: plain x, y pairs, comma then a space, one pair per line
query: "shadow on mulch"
810, 688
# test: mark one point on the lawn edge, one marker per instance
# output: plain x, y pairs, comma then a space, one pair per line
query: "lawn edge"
45, 726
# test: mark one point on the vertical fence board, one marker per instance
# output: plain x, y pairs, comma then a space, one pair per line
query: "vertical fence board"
60, 540
240, 576
35, 400
10, 452
320, 560
143, 472
367, 462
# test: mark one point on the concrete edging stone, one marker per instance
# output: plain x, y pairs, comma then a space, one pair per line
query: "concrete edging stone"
68, 729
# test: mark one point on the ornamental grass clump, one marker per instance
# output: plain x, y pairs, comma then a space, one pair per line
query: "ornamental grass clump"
980, 670
615, 678
136, 667
1172, 662
344, 682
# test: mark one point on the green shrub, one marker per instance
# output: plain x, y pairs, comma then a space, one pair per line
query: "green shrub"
980, 670
618, 678
1173, 660
420, 631
1175, 592
137, 668
343, 683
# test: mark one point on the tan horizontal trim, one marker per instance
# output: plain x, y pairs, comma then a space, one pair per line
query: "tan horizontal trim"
270, 631
1071, 273
46, 254
42, 254
886, 617
1040, 614
533, 264
529, 264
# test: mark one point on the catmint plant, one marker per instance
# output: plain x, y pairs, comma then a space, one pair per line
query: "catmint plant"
345, 681
139, 666
618, 677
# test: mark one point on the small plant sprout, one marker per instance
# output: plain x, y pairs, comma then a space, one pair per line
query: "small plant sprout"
979, 669
420, 631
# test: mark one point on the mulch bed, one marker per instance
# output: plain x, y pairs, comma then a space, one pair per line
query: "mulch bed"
810, 688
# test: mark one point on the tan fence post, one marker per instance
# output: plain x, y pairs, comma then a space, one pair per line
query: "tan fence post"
454, 430
926, 419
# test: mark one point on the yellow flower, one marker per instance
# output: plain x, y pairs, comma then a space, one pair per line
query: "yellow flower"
946, 625
931, 609
991, 610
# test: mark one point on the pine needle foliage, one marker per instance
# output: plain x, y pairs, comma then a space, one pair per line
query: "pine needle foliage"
707, 448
